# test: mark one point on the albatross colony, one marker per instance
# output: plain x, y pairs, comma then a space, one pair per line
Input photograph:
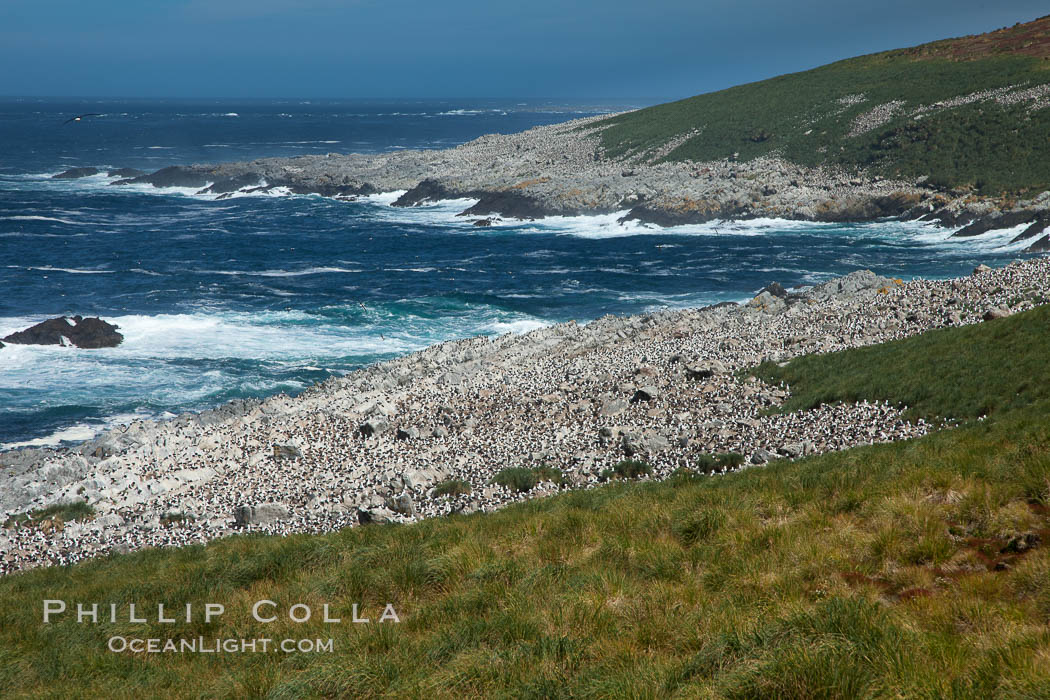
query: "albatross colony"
371, 446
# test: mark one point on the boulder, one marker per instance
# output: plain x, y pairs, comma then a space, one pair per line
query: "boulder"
263, 514
402, 504
407, 433
996, 312
852, 285
766, 301
761, 456
981, 269
375, 426
613, 407
374, 515
286, 452
705, 369
646, 393
643, 443
89, 333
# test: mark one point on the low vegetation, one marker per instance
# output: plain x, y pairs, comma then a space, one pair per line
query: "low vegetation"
523, 479
953, 373
627, 469
451, 488
52, 515
913, 569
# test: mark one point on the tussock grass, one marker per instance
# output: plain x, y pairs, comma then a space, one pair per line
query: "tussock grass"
882, 571
960, 373
61, 512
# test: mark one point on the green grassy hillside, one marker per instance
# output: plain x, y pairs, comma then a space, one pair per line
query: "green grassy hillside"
954, 373
810, 117
917, 569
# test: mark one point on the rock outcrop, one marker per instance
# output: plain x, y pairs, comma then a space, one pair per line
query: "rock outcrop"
82, 332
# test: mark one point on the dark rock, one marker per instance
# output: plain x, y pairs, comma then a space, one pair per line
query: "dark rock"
991, 223
231, 184
74, 173
1040, 246
704, 370
776, 289
429, 190
83, 332
483, 222
125, 172
512, 204
1037, 227
407, 434
646, 393
666, 217
172, 176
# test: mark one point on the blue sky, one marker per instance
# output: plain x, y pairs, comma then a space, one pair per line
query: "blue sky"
452, 48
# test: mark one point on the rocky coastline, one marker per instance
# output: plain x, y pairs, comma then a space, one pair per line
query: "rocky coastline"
578, 399
561, 170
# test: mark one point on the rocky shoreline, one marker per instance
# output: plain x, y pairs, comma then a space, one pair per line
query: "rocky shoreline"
562, 170
372, 446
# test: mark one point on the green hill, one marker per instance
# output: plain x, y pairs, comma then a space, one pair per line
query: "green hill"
915, 569
969, 113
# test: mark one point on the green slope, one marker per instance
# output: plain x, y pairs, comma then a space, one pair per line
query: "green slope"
917, 569
808, 117
957, 373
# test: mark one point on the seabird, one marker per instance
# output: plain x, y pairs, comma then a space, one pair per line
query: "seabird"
81, 116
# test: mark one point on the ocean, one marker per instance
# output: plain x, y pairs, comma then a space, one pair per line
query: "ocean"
254, 295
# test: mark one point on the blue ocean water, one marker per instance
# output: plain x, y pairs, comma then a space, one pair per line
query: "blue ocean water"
254, 295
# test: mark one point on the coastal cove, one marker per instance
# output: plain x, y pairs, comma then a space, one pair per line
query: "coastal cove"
242, 295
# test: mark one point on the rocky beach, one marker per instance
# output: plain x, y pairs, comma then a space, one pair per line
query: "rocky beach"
665, 388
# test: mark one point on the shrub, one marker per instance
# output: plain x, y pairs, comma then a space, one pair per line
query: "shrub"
518, 479
627, 469
451, 488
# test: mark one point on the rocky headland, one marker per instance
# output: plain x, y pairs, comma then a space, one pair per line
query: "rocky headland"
378, 444
562, 170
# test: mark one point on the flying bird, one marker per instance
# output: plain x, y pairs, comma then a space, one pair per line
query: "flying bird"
81, 116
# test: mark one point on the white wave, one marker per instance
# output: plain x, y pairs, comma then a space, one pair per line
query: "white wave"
516, 327
161, 148
28, 217
231, 114
281, 273
995, 241
71, 270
